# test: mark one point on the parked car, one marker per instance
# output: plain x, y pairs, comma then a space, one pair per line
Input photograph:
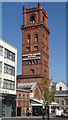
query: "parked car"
59, 113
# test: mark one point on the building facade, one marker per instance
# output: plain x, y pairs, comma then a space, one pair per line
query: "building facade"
35, 48
8, 67
26, 93
61, 95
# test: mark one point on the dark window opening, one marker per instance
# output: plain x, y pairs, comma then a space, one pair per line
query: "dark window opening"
60, 88
36, 48
32, 62
32, 19
43, 19
28, 49
45, 71
28, 38
31, 71
19, 94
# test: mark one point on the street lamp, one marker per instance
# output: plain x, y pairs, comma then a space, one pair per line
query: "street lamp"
43, 110
48, 111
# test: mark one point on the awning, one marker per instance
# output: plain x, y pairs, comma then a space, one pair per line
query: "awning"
36, 104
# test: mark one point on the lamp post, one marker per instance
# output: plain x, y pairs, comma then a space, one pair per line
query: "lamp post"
48, 111
43, 110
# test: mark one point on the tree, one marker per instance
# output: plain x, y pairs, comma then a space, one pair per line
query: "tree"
48, 91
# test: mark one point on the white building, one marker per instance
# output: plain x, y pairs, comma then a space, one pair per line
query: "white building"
61, 95
8, 68
61, 86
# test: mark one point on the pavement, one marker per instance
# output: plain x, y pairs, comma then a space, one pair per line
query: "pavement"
34, 118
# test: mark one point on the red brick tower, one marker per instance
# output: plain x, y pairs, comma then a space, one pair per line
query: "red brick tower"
35, 50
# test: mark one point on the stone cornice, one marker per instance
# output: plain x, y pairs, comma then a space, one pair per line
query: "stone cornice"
34, 25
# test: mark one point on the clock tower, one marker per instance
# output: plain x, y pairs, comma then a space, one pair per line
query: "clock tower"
35, 48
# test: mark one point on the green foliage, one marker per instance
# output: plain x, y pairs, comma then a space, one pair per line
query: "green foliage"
47, 92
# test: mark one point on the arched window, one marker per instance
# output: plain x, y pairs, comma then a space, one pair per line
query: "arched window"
28, 49
28, 38
36, 37
32, 19
45, 71
35, 48
19, 95
31, 71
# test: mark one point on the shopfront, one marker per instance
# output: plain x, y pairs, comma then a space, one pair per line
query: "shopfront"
36, 110
8, 105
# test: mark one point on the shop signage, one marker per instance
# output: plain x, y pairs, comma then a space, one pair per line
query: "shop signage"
31, 56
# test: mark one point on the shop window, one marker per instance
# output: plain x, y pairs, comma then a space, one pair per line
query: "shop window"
62, 101
28, 38
36, 37
31, 71
32, 19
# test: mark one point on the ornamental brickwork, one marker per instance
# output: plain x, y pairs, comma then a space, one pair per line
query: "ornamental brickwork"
35, 54
35, 48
